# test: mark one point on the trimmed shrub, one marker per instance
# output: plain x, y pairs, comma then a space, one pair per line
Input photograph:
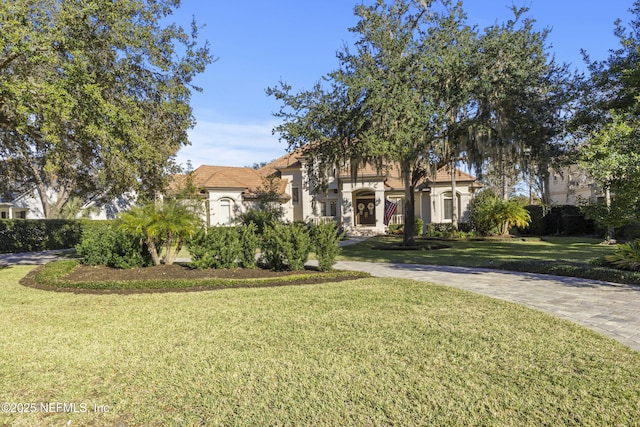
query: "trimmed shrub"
215, 247
105, 243
326, 239
419, 224
480, 212
565, 219
249, 243
25, 235
396, 229
439, 229
286, 246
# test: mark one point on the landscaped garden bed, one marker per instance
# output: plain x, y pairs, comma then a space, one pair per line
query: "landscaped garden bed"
71, 276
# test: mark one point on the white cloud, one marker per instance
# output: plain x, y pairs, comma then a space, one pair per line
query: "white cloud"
231, 144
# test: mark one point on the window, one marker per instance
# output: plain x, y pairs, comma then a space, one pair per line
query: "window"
400, 205
295, 196
3, 215
225, 212
323, 209
448, 206
334, 208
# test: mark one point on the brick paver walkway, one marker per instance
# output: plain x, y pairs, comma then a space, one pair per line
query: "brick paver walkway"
608, 308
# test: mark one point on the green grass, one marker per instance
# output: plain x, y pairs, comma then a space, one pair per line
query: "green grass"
364, 352
482, 253
561, 256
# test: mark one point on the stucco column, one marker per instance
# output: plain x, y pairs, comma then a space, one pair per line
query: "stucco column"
346, 210
380, 210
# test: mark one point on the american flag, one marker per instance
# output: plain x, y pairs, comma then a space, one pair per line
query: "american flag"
389, 210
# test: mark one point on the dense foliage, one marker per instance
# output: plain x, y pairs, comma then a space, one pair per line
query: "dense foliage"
224, 247
162, 225
608, 127
626, 256
422, 88
286, 246
325, 238
107, 243
491, 214
94, 97
39, 235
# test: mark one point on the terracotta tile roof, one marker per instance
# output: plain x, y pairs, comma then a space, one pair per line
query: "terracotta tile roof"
227, 177
444, 175
286, 161
246, 179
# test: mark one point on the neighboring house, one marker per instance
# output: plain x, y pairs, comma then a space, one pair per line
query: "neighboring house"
358, 205
570, 185
28, 206
10, 211
21, 207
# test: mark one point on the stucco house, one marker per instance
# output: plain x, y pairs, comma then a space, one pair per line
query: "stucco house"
358, 205
28, 206
9, 210
570, 185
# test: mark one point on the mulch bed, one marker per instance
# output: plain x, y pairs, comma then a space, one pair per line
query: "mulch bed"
96, 274
86, 273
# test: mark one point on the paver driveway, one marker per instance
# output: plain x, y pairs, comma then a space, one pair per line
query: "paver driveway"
608, 308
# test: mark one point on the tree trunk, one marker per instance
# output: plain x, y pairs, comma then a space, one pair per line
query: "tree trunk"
503, 171
169, 256
409, 235
611, 231
454, 198
153, 250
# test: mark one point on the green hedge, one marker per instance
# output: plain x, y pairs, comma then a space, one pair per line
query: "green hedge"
106, 243
29, 235
573, 269
555, 220
224, 247
325, 240
285, 246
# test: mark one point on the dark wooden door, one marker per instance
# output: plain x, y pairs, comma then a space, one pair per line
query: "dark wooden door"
366, 212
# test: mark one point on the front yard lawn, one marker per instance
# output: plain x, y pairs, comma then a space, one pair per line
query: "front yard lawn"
561, 256
481, 252
362, 352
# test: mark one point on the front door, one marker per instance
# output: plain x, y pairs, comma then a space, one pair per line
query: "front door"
366, 212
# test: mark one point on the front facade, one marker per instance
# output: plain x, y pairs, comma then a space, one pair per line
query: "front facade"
357, 203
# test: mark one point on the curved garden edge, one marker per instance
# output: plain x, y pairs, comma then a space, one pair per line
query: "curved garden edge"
51, 277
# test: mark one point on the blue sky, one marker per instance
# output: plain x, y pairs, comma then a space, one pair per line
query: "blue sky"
259, 43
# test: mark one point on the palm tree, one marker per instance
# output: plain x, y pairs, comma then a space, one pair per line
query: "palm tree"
507, 214
162, 225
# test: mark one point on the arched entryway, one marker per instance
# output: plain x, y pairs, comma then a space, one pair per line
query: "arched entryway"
365, 212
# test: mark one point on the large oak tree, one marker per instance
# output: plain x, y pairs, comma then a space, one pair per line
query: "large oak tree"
94, 97
421, 88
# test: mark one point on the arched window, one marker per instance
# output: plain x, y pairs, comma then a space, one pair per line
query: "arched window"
225, 211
